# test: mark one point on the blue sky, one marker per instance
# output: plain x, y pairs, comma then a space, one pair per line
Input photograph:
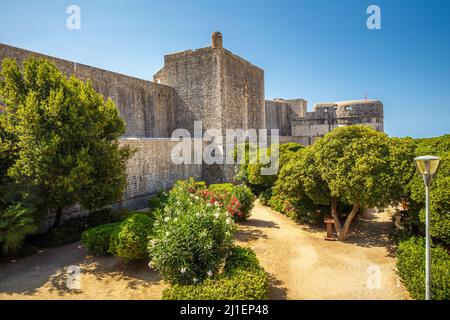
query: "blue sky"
319, 50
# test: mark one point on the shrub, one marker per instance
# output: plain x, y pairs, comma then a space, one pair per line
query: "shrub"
246, 198
191, 237
98, 239
15, 224
237, 199
411, 268
156, 201
303, 211
221, 187
130, 242
243, 279
265, 196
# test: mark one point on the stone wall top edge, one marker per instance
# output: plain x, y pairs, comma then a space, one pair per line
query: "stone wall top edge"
189, 52
117, 74
236, 57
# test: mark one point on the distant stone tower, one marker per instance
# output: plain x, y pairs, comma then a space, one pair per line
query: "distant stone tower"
217, 40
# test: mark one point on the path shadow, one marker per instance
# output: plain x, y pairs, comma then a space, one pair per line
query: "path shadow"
251, 229
313, 228
368, 232
26, 275
257, 223
135, 273
277, 290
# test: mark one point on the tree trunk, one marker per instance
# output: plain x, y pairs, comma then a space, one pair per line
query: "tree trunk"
57, 222
348, 221
334, 214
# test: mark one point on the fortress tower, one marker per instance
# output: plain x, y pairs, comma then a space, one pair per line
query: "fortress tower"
327, 116
216, 87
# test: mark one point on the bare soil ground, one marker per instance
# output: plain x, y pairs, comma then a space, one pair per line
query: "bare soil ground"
301, 265
45, 276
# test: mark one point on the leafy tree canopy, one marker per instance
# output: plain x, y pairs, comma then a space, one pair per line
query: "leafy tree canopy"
64, 136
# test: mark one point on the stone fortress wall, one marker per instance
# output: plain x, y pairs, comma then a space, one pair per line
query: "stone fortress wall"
211, 85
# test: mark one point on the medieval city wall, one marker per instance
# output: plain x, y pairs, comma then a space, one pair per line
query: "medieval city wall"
149, 171
147, 108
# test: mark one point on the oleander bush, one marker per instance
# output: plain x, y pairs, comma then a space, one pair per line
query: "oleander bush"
238, 199
242, 279
130, 241
98, 239
191, 238
411, 268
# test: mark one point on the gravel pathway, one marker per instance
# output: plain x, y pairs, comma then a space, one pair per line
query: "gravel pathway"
302, 265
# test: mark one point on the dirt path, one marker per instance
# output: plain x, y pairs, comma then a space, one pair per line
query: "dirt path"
302, 265
45, 276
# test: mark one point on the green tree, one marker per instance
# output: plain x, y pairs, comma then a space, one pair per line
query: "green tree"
440, 188
65, 136
354, 162
402, 162
259, 182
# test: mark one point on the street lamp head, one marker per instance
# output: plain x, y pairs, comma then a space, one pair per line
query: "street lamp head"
427, 167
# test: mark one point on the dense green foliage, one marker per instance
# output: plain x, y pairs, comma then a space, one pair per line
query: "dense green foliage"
60, 137
132, 237
127, 239
191, 238
440, 188
411, 268
242, 279
15, 224
98, 239
249, 171
348, 169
